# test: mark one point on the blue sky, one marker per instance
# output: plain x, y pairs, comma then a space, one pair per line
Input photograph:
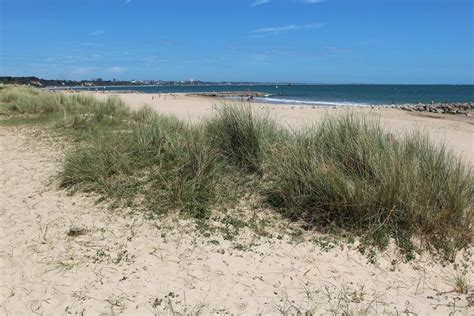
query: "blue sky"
333, 41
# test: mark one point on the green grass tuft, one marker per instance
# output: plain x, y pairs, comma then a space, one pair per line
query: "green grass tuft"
350, 174
241, 135
168, 163
76, 111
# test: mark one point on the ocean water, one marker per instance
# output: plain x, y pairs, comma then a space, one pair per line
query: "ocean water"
342, 95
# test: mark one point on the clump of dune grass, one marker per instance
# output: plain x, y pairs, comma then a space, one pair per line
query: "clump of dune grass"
86, 112
241, 135
167, 163
190, 182
350, 174
26, 100
76, 111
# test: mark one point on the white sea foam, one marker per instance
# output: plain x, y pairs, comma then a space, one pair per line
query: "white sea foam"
319, 103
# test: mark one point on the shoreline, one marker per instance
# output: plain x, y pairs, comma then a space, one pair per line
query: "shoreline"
260, 96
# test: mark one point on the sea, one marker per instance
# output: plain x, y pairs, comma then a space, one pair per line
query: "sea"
325, 94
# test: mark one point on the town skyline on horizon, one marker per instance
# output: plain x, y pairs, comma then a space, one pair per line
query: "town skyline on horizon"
192, 81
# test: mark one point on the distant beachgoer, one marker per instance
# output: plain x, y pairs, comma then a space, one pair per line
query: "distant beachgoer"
153, 98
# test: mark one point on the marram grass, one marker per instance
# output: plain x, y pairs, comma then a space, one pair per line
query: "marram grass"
242, 136
346, 174
349, 173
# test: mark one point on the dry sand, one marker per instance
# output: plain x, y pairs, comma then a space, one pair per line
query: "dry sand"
125, 264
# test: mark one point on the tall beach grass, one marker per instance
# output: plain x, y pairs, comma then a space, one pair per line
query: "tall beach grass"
79, 111
346, 174
242, 136
350, 174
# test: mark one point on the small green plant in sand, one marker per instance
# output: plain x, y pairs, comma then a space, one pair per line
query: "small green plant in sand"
461, 284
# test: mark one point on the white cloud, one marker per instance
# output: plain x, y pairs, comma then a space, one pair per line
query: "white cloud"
286, 28
259, 2
314, 1
126, 2
276, 29
116, 69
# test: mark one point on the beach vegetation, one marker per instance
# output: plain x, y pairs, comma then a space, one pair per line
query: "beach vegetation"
156, 160
242, 136
461, 284
346, 175
349, 174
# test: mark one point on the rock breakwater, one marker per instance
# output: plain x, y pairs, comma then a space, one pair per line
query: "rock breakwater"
230, 94
441, 108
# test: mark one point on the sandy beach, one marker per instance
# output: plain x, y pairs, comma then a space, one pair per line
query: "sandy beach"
252, 157
454, 131
63, 254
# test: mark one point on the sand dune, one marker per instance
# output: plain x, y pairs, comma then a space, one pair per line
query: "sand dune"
117, 262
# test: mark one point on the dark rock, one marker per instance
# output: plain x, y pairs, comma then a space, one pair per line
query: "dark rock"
440, 108
76, 231
227, 94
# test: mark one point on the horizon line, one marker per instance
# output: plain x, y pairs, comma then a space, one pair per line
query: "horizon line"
240, 81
